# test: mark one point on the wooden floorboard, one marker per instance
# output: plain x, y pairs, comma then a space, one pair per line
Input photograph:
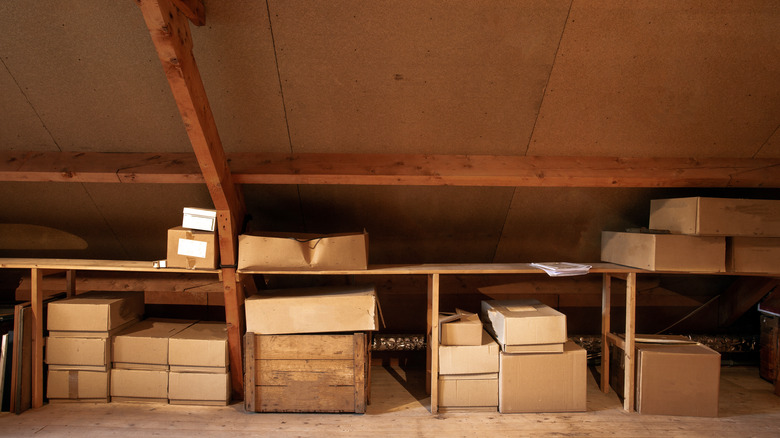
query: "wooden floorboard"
399, 407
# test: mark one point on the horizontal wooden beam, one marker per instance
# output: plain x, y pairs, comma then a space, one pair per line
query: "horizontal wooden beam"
396, 169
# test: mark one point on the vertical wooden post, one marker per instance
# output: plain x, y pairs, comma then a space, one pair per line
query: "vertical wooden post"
70, 279
629, 354
234, 312
36, 299
359, 369
249, 392
606, 297
432, 375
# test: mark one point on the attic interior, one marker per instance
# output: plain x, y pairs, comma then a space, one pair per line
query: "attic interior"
350, 116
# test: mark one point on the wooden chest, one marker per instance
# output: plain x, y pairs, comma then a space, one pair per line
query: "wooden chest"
306, 373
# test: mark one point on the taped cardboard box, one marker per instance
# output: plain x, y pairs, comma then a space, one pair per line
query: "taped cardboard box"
295, 251
664, 252
191, 249
462, 328
469, 391
144, 346
470, 359
211, 389
525, 326
716, 216
76, 385
313, 310
139, 385
201, 347
73, 353
95, 311
753, 254
546, 382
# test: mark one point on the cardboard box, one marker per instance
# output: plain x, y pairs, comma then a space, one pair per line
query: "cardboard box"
78, 385
470, 359
191, 249
525, 326
462, 328
144, 346
295, 251
201, 347
74, 353
468, 391
139, 385
547, 382
199, 219
753, 254
716, 216
95, 311
312, 310
664, 252
199, 388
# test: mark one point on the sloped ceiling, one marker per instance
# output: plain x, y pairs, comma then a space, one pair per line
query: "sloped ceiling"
641, 78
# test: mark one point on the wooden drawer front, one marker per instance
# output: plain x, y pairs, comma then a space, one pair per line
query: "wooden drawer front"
306, 373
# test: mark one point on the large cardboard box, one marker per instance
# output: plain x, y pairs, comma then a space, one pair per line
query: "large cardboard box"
716, 216
664, 252
313, 310
525, 326
144, 346
201, 347
468, 391
545, 382
72, 353
139, 385
77, 385
198, 388
296, 251
462, 328
470, 359
753, 254
95, 311
192, 249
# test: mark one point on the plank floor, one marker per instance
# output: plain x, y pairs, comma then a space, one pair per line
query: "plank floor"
399, 408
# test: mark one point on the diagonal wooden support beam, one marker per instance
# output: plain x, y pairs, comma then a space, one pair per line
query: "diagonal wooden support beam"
170, 32
192, 9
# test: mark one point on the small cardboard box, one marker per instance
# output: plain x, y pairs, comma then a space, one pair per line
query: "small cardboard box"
525, 326
201, 347
199, 219
470, 359
716, 216
139, 385
469, 391
77, 385
313, 310
753, 254
95, 311
144, 346
664, 252
462, 328
191, 249
74, 353
547, 382
199, 388
289, 251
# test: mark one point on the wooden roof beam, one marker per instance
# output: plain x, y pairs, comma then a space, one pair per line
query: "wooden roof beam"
194, 10
396, 169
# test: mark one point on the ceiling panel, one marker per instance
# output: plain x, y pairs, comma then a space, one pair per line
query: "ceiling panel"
649, 78
771, 149
414, 76
20, 127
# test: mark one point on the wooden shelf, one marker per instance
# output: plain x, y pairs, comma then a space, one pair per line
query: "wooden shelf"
94, 265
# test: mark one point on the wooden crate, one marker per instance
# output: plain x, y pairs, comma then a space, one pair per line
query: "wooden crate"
307, 373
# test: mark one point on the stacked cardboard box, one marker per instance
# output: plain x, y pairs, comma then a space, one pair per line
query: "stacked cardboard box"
539, 369
140, 360
468, 364
199, 368
194, 244
78, 348
312, 349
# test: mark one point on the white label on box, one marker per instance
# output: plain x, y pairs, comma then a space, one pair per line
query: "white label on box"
192, 248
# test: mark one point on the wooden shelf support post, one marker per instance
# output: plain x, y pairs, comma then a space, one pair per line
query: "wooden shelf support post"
432, 375
606, 292
628, 351
36, 300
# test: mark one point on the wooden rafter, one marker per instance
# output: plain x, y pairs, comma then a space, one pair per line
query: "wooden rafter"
192, 9
395, 169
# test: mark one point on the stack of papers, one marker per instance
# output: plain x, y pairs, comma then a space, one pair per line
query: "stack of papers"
562, 269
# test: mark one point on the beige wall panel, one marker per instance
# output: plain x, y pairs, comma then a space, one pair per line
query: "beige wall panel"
412, 224
414, 76
771, 149
91, 72
675, 78
20, 127
235, 55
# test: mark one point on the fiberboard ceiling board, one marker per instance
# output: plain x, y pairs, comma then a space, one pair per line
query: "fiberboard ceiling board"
20, 128
414, 76
649, 78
